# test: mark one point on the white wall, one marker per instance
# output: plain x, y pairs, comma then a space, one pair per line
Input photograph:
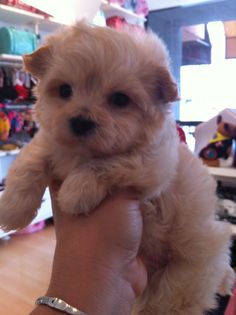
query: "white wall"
74, 9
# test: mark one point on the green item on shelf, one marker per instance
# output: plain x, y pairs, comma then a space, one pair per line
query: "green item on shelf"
17, 42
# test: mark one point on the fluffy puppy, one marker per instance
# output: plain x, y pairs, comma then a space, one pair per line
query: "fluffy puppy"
104, 113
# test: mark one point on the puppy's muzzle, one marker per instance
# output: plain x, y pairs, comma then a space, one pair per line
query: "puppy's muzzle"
82, 126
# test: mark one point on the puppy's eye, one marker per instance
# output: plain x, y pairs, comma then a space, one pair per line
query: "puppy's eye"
65, 91
119, 99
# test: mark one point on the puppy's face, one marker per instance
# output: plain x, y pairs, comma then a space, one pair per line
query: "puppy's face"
101, 90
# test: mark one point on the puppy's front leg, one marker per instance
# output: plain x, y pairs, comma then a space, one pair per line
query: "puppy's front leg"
25, 185
81, 192
135, 172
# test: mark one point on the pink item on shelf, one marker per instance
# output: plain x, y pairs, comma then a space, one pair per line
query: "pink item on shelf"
120, 2
142, 8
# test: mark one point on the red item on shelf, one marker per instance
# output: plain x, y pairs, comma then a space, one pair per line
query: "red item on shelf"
21, 5
22, 92
116, 22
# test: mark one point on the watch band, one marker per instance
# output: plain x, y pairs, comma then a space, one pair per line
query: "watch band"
58, 304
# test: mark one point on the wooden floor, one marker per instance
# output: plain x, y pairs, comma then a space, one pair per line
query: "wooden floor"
25, 265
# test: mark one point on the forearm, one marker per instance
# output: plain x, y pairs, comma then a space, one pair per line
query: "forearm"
96, 268
45, 310
89, 287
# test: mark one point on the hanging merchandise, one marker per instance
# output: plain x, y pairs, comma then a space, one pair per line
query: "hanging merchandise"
16, 122
7, 90
4, 126
21, 83
17, 42
29, 125
16, 85
22, 92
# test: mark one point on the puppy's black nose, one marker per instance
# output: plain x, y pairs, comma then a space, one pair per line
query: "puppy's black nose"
81, 126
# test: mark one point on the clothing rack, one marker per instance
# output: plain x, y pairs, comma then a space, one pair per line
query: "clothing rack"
11, 60
10, 64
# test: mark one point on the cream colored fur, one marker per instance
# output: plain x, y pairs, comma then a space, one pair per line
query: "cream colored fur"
185, 249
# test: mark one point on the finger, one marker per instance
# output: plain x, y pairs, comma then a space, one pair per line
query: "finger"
138, 276
127, 192
54, 187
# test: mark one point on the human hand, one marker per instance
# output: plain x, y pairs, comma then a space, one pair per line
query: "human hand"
96, 264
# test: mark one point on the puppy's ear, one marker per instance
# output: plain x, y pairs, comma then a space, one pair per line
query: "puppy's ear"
167, 90
38, 62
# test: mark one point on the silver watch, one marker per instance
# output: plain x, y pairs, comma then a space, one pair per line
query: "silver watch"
58, 304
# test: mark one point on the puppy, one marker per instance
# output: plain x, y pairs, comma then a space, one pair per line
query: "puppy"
103, 105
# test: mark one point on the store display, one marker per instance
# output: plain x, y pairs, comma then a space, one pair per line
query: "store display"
16, 98
219, 151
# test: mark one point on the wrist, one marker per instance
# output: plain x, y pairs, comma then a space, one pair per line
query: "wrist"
44, 310
94, 286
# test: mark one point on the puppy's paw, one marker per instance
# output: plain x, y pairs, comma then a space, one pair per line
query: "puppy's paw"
16, 212
80, 194
227, 283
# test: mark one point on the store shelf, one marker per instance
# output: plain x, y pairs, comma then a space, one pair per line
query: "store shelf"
11, 60
227, 175
111, 9
15, 16
223, 173
12, 152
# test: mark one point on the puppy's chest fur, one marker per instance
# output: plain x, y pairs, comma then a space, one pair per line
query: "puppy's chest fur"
141, 171
136, 169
